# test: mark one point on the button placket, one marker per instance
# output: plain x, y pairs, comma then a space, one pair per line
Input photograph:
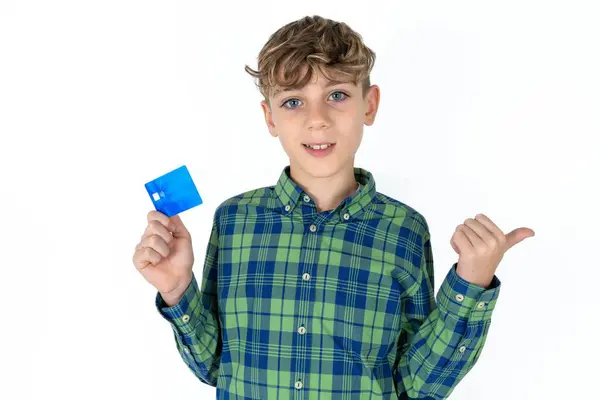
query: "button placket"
309, 245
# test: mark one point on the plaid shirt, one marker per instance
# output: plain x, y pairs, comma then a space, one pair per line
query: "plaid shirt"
338, 304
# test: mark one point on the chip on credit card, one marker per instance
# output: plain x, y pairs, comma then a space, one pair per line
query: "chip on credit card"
174, 192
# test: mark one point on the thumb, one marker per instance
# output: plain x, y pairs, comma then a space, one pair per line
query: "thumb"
517, 236
178, 228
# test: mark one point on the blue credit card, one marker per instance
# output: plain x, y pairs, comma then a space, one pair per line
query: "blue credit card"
174, 192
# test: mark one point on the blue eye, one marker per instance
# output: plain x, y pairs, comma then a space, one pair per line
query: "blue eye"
338, 92
288, 102
337, 100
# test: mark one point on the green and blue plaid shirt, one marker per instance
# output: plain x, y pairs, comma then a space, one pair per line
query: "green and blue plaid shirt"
338, 304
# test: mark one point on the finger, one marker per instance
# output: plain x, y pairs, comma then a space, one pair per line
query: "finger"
480, 230
517, 235
156, 243
155, 215
156, 228
154, 275
491, 226
179, 231
454, 245
144, 257
141, 244
462, 242
471, 236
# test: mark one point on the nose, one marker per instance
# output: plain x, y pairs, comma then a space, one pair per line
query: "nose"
317, 118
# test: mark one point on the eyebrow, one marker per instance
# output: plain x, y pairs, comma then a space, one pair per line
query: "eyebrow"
295, 87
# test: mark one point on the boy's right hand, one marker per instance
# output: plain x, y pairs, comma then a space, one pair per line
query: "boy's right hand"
164, 256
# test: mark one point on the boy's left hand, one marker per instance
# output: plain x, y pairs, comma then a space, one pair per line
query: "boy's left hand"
481, 245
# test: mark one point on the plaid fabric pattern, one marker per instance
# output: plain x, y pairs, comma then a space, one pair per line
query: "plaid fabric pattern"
299, 304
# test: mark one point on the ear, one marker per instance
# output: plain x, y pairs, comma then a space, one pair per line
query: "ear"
268, 117
371, 104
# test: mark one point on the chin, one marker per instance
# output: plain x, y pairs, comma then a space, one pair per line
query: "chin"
320, 168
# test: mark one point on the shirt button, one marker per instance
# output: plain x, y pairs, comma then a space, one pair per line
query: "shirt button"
302, 330
459, 297
462, 349
346, 216
306, 276
185, 318
481, 304
299, 385
288, 208
306, 198
313, 228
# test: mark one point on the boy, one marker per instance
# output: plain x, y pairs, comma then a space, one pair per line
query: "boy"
320, 287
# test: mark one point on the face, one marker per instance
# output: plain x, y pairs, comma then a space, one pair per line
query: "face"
323, 111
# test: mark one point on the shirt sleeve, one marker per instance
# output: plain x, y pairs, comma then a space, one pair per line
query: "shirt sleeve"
440, 342
194, 319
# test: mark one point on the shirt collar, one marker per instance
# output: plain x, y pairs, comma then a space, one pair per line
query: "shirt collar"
290, 195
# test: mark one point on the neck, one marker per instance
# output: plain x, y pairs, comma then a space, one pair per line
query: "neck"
326, 191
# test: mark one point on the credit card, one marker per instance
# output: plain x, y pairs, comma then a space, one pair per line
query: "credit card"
174, 192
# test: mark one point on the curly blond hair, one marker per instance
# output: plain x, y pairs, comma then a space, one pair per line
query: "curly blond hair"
319, 43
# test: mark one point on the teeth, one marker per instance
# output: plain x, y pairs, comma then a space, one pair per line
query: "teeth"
317, 147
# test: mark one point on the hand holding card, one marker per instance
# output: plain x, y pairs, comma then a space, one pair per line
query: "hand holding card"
164, 256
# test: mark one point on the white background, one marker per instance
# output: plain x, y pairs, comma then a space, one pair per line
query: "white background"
488, 107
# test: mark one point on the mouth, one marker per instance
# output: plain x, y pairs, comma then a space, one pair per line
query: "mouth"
319, 149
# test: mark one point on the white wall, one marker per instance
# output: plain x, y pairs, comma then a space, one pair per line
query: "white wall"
486, 107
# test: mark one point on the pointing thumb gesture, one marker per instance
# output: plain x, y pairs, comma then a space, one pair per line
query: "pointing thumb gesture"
481, 245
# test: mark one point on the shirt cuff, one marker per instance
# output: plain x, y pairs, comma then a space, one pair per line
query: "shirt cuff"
184, 315
467, 300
